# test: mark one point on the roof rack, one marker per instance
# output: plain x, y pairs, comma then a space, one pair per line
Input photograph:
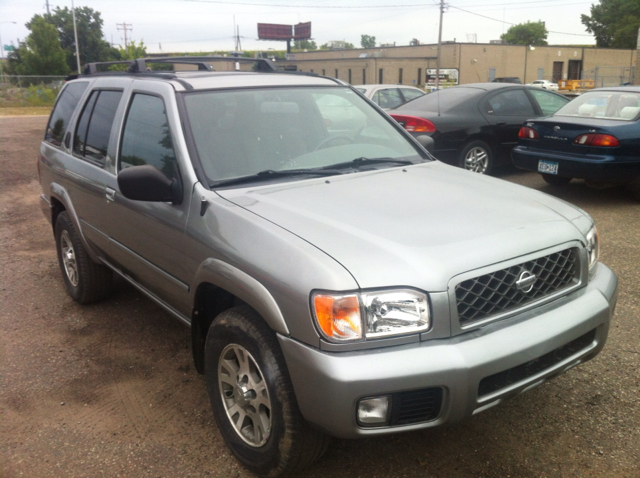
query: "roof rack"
139, 65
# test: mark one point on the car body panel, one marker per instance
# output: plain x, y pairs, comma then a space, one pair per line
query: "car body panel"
472, 118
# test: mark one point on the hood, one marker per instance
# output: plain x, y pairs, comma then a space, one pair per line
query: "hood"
416, 226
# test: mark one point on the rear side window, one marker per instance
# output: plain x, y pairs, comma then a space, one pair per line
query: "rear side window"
66, 104
548, 102
389, 98
94, 127
146, 138
512, 102
410, 94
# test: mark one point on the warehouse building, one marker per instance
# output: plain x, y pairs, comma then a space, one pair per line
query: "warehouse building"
469, 63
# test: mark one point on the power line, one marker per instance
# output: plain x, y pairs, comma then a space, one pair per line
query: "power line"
509, 23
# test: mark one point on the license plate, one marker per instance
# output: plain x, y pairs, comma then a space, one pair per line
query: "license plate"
547, 167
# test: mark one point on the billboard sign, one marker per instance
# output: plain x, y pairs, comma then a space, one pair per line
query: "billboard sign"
274, 31
302, 31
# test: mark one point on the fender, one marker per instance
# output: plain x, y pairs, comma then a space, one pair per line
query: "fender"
62, 195
243, 286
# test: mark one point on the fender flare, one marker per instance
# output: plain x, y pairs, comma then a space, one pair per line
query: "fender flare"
61, 194
243, 286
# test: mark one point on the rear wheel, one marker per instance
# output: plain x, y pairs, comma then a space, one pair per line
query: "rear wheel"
477, 157
556, 180
85, 280
252, 396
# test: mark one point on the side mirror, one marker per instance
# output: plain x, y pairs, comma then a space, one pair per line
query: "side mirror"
148, 183
426, 142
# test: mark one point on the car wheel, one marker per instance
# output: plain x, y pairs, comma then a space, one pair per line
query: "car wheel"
634, 188
554, 180
476, 156
252, 396
85, 280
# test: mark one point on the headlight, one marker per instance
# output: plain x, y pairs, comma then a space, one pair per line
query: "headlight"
593, 247
371, 315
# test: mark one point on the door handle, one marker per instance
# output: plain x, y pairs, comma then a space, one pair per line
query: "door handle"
501, 123
111, 194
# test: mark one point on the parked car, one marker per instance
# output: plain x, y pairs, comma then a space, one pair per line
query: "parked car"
475, 126
545, 84
507, 79
595, 137
389, 96
336, 278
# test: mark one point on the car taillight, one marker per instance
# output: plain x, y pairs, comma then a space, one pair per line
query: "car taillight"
415, 124
527, 133
602, 140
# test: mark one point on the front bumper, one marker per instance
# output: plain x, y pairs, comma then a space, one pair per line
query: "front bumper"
329, 385
602, 168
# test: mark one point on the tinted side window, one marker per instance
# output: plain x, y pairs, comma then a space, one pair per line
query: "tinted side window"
100, 125
549, 103
147, 138
62, 112
80, 137
389, 98
513, 102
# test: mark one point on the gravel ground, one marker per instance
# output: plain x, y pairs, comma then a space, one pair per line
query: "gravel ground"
109, 389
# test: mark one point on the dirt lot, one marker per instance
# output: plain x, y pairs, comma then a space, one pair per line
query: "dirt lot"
109, 389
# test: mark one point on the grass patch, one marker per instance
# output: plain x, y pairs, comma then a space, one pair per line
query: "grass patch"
25, 110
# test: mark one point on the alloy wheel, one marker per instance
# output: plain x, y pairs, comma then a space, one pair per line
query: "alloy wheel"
245, 395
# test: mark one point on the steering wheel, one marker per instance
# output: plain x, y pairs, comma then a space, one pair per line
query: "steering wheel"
340, 140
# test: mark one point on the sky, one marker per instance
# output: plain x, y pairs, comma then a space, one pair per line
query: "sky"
208, 25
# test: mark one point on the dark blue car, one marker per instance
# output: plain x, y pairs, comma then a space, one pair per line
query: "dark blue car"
595, 137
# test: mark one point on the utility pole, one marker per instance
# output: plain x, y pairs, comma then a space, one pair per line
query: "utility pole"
439, 45
238, 45
48, 12
126, 27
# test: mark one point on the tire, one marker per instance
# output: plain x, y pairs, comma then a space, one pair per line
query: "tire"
477, 157
554, 180
246, 376
85, 280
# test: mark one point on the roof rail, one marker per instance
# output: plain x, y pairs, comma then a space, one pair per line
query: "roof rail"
139, 65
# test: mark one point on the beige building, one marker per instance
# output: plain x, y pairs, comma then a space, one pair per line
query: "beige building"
469, 63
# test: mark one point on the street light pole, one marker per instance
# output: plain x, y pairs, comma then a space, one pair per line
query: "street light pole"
2, 55
1, 45
75, 34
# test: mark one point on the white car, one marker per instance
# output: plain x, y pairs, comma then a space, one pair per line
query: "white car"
546, 84
389, 96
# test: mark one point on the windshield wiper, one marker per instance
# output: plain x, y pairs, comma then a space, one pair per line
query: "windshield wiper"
268, 174
355, 163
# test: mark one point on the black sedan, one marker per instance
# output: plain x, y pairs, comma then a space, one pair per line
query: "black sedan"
475, 126
596, 137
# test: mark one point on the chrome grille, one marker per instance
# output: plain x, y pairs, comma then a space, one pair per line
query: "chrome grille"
497, 292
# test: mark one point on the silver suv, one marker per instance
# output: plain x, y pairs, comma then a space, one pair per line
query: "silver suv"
338, 281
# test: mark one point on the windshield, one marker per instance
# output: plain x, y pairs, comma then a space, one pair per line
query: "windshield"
245, 133
617, 105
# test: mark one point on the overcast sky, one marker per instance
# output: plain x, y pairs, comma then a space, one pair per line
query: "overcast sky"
205, 25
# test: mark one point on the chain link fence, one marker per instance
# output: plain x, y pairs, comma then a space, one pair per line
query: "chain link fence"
28, 90
603, 76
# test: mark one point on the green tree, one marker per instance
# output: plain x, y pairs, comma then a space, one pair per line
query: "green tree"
530, 33
367, 41
91, 43
614, 23
40, 53
304, 45
132, 51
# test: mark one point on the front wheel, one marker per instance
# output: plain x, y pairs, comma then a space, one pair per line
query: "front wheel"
554, 180
477, 157
252, 396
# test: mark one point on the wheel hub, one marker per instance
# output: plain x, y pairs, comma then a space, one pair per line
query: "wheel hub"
245, 395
